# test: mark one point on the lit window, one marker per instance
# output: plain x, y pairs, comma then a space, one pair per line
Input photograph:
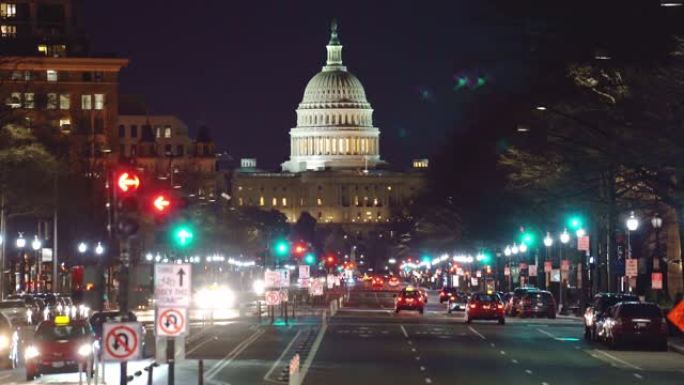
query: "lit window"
51, 101
274, 201
51, 75
239, 188
240, 202
86, 102
319, 201
28, 75
14, 100
157, 131
8, 10
64, 101
43, 49
284, 201
29, 100
8, 30
65, 124
375, 202
261, 201
167, 132
99, 101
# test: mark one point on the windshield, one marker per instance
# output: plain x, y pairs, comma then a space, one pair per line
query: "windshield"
640, 310
55, 333
12, 304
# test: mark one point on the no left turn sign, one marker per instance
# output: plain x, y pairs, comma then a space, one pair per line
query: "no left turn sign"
171, 322
121, 341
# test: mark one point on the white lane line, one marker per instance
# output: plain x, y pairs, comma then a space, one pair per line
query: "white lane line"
618, 359
312, 352
428, 380
514, 361
410, 342
546, 333
225, 361
417, 358
492, 344
213, 338
477, 333
639, 376
422, 368
413, 349
502, 352
544, 383
277, 363
528, 371
403, 330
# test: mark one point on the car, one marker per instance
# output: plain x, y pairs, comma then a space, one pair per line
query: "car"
61, 345
485, 306
17, 311
596, 311
98, 319
9, 344
638, 323
445, 293
457, 301
377, 282
409, 299
536, 303
511, 305
393, 281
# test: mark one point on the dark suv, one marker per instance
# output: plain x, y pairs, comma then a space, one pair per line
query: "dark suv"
536, 303
512, 305
597, 310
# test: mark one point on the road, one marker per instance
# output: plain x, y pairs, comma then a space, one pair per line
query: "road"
367, 343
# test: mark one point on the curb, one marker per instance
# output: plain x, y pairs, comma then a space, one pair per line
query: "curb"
679, 348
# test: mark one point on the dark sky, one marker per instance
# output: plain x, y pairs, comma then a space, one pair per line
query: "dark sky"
241, 67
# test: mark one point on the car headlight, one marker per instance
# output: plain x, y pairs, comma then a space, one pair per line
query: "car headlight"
31, 352
60, 308
4, 341
85, 350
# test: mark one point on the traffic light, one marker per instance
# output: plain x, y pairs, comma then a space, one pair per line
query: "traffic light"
309, 259
575, 222
281, 248
161, 203
126, 205
527, 238
300, 249
330, 260
182, 235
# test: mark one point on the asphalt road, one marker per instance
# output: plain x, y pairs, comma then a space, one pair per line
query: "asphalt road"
367, 343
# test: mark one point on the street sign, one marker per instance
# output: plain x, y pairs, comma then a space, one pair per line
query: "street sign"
474, 281
459, 271
171, 322
121, 341
565, 265
172, 285
478, 273
303, 271
548, 266
316, 287
330, 280
631, 267
555, 275
657, 280
507, 271
272, 297
271, 279
532, 269
283, 295
284, 277
583, 243
305, 283
676, 315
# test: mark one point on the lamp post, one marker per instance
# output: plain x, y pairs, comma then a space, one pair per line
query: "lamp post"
564, 238
660, 266
36, 245
548, 242
632, 224
21, 244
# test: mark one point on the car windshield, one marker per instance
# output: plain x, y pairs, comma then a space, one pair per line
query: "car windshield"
410, 294
614, 299
55, 333
12, 304
640, 310
485, 298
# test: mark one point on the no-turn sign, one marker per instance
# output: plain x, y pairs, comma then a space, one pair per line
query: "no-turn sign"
121, 341
171, 322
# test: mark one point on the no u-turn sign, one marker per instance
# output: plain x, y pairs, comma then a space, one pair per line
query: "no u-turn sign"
171, 322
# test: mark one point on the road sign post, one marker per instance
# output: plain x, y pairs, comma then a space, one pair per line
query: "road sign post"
121, 341
171, 322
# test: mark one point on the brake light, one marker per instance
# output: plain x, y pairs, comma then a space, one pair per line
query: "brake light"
499, 306
473, 306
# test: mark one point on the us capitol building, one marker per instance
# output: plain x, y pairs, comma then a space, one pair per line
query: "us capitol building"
335, 171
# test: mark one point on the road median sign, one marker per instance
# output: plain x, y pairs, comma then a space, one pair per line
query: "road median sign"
121, 341
171, 322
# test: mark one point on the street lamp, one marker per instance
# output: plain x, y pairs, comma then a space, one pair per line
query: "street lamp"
632, 224
565, 236
82, 247
99, 249
548, 241
580, 233
36, 244
508, 251
21, 241
515, 249
523, 248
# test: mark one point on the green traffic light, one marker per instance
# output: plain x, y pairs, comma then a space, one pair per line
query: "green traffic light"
309, 259
575, 222
282, 248
183, 235
527, 238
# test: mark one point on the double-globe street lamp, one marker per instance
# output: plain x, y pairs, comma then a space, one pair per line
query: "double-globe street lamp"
659, 264
98, 250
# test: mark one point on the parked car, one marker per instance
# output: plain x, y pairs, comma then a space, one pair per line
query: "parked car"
535, 303
445, 293
457, 301
484, 306
596, 311
511, 305
18, 312
640, 324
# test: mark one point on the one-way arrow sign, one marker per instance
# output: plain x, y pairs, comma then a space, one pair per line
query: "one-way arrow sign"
171, 286
180, 273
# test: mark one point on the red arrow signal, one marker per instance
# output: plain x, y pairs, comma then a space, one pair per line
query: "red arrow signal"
128, 182
161, 203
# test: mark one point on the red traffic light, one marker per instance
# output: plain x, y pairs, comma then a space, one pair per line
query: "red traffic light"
161, 203
128, 182
300, 249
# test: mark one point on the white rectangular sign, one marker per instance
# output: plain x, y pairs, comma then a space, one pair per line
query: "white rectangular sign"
303, 271
631, 267
532, 270
330, 279
316, 287
173, 285
284, 277
271, 279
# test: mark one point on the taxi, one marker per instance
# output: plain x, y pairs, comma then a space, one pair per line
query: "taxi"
61, 345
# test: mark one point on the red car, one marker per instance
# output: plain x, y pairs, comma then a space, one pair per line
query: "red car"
60, 346
378, 282
634, 323
486, 307
409, 299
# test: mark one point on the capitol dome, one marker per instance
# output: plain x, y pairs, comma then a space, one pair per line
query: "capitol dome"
334, 120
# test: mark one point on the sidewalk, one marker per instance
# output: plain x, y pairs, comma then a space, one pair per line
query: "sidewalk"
676, 344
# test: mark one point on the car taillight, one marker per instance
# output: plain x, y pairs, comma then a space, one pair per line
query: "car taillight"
499, 306
420, 299
473, 305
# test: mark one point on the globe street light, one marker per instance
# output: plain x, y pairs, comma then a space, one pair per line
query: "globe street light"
580, 232
82, 247
657, 223
523, 248
564, 238
508, 251
21, 241
515, 249
99, 249
632, 222
36, 244
548, 241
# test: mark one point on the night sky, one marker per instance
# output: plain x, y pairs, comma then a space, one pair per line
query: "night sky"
241, 67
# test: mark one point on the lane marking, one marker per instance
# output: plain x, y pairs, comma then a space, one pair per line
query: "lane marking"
413, 349
417, 358
544, 383
528, 371
428, 380
287, 348
410, 342
514, 361
312, 352
492, 344
542, 331
422, 368
477, 333
403, 329
225, 361
212, 338
502, 352
639, 376
618, 359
